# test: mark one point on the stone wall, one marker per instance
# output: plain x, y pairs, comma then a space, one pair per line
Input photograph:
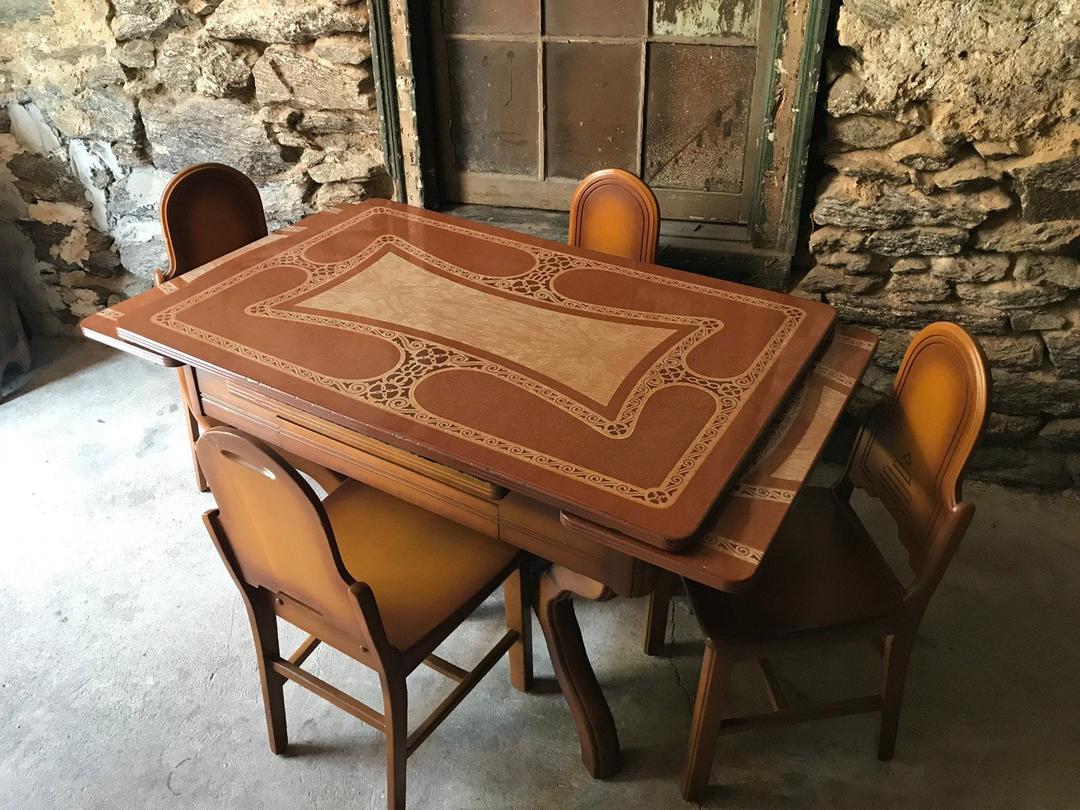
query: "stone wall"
952, 141
102, 101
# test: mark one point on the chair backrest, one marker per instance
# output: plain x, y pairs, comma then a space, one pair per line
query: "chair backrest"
614, 212
275, 529
913, 456
209, 210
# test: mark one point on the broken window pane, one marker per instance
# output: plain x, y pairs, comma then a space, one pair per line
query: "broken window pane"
486, 17
696, 139
598, 18
494, 106
592, 107
705, 18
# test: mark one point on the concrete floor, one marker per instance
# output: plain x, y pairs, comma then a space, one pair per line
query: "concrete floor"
127, 677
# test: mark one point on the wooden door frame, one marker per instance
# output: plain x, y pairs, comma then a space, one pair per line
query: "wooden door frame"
407, 106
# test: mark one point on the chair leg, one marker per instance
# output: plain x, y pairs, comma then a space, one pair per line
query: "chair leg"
895, 666
705, 724
264, 630
193, 436
396, 710
517, 595
656, 617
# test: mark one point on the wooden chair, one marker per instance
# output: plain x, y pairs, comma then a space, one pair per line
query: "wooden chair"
208, 210
614, 212
825, 581
375, 577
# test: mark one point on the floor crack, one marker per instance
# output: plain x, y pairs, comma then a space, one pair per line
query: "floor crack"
674, 665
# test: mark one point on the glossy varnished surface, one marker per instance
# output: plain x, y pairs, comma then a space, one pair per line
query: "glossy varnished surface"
625, 393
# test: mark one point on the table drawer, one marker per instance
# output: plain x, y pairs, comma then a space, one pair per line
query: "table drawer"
452, 494
536, 527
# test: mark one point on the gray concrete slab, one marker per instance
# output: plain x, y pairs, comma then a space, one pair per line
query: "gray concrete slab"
127, 677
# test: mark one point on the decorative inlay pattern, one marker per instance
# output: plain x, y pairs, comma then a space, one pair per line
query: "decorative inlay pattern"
732, 548
834, 375
589, 355
423, 357
858, 343
763, 493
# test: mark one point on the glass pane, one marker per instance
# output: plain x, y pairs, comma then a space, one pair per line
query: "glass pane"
697, 140
488, 17
494, 105
705, 18
601, 18
592, 107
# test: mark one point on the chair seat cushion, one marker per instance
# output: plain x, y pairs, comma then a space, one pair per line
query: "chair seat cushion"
821, 571
422, 568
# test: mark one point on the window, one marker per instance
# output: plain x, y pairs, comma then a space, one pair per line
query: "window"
535, 94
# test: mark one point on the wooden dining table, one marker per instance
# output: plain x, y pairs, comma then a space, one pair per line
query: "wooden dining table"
613, 418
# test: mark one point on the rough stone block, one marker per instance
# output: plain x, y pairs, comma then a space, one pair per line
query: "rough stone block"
324, 122
1034, 392
179, 62
286, 21
853, 263
1048, 181
137, 195
1013, 351
195, 129
918, 289
971, 267
995, 150
1012, 294
31, 130
346, 49
13, 11
847, 96
1012, 429
820, 279
869, 164
1036, 320
225, 68
1060, 270
97, 113
43, 178
892, 344
1064, 348
1062, 433
909, 266
892, 312
336, 167
832, 239
996, 75
925, 240
285, 201
284, 75
133, 19
1014, 235
853, 203
868, 132
1018, 467
136, 53
923, 152
971, 172
332, 194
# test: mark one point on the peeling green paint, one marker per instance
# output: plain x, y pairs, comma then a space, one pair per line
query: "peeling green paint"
705, 18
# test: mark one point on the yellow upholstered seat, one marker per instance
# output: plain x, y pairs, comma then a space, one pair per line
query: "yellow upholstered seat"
421, 567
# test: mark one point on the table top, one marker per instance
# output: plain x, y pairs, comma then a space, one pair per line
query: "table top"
626, 393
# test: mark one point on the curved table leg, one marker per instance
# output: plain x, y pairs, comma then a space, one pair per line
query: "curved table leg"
555, 609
